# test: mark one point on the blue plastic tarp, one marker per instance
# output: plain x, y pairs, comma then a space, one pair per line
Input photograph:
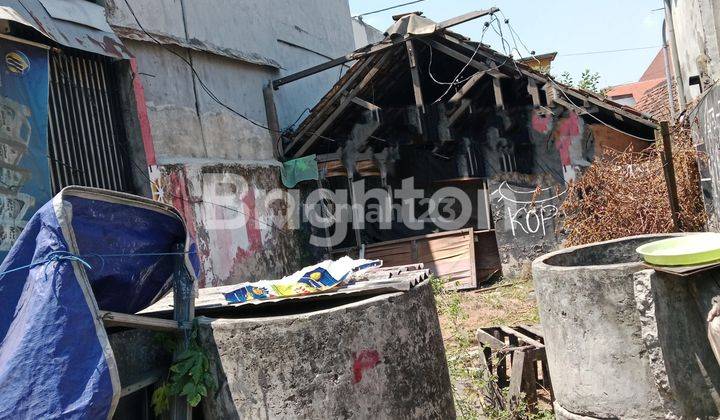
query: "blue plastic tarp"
55, 357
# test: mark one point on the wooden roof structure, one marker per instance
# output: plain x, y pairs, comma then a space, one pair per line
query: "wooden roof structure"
394, 73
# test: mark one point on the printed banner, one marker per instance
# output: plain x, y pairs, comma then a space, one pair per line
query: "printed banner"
24, 170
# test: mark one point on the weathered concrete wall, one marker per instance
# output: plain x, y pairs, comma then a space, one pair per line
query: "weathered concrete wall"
236, 48
624, 342
526, 220
598, 360
697, 24
278, 37
365, 34
530, 158
238, 217
381, 357
681, 359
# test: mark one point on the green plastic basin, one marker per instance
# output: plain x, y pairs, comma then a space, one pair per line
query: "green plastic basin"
701, 248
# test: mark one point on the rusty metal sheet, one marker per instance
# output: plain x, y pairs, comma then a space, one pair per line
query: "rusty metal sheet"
76, 31
372, 282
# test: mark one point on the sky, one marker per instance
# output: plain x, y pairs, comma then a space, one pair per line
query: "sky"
569, 27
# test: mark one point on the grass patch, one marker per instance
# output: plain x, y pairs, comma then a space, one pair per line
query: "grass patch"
511, 302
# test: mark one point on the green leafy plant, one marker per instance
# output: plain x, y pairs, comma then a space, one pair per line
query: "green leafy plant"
188, 376
589, 81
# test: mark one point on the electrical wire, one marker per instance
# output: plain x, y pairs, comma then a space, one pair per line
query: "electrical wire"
562, 91
610, 51
388, 8
456, 80
193, 202
560, 88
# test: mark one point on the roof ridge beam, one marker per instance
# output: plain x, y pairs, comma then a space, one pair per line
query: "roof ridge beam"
457, 20
465, 59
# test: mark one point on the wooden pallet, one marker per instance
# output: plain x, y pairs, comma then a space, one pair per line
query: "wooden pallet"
516, 356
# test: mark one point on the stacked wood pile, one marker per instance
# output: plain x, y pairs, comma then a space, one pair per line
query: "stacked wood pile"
625, 193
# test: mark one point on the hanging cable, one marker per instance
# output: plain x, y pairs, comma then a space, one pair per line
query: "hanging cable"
205, 88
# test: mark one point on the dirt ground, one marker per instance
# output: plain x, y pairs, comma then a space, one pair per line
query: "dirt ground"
507, 302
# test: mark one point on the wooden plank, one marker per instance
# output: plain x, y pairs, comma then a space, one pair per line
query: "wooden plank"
272, 121
473, 261
417, 88
546, 380
183, 313
534, 92
145, 380
488, 340
365, 104
549, 94
491, 392
466, 87
516, 377
363, 52
570, 106
116, 319
361, 66
502, 360
312, 70
463, 58
464, 105
341, 107
615, 108
533, 329
669, 171
529, 380
523, 337
497, 91
457, 20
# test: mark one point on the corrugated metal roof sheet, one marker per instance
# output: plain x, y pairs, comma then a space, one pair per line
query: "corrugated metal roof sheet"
76, 24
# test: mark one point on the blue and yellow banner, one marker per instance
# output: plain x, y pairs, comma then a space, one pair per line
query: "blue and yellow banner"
24, 169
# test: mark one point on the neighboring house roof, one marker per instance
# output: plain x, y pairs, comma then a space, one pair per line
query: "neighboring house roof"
656, 103
635, 89
539, 62
656, 69
651, 78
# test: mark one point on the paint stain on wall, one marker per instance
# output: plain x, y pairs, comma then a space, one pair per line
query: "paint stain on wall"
366, 359
541, 123
568, 131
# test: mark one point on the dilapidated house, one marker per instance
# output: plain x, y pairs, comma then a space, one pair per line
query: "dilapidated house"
432, 106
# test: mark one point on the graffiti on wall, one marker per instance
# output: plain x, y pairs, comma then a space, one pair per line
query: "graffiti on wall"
238, 218
565, 139
706, 134
24, 170
527, 211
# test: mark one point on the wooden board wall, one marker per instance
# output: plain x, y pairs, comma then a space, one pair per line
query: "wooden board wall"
450, 255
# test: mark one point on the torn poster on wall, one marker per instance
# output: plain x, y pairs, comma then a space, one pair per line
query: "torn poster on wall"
24, 170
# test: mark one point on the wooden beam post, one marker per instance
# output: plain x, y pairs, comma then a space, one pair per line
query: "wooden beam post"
272, 120
457, 20
341, 107
534, 92
466, 87
465, 58
183, 314
497, 89
417, 88
365, 104
669, 171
